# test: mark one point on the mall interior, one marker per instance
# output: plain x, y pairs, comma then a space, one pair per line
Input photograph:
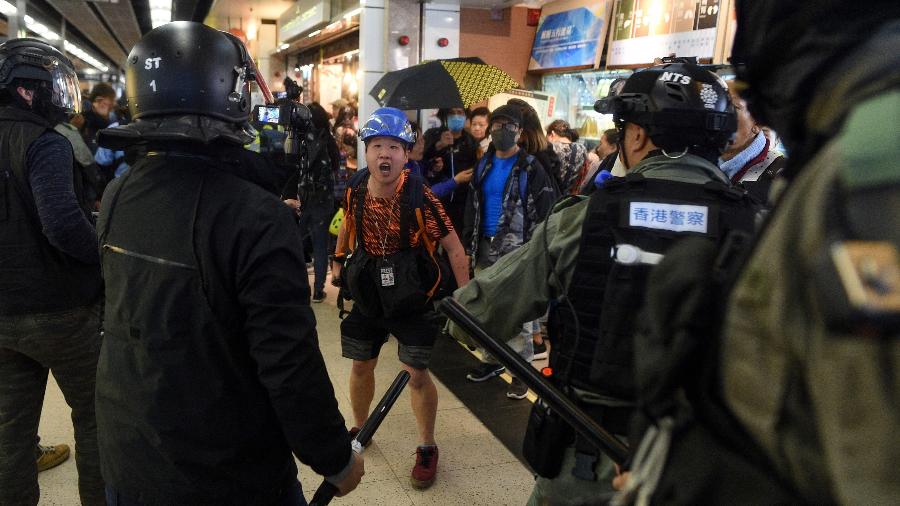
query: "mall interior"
564, 55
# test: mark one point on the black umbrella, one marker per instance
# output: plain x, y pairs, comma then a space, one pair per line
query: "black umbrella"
458, 82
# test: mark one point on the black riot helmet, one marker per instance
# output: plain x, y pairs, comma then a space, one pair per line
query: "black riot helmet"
33, 60
683, 108
786, 51
186, 68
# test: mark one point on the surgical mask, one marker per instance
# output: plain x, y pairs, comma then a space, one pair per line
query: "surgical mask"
456, 122
503, 139
618, 168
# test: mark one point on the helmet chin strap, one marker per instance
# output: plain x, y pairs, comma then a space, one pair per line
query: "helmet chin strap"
621, 145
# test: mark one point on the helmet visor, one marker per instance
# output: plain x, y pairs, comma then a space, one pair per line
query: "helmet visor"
65, 94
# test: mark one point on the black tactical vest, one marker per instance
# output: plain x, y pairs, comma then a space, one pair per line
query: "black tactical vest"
35, 277
595, 334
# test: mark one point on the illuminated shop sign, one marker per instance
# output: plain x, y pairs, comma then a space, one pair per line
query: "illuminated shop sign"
648, 29
570, 33
304, 16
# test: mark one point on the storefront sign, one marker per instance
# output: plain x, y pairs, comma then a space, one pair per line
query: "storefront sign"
304, 16
647, 29
570, 34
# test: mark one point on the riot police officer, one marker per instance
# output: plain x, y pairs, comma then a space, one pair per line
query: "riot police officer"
804, 400
210, 377
49, 269
594, 254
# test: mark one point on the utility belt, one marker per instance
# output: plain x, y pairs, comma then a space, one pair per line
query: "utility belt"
547, 437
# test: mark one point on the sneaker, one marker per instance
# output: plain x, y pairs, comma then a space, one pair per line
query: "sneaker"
319, 296
540, 351
424, 471
51, 456
484, 372
517, 389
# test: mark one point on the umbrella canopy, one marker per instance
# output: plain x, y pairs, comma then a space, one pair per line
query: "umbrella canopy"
459, 82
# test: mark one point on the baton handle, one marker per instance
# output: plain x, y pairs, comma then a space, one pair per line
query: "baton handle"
326, 491
594, 434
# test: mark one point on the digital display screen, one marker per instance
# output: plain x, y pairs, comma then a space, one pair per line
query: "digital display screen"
269, 114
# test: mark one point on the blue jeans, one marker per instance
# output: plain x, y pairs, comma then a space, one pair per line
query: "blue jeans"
314, 222
294, 497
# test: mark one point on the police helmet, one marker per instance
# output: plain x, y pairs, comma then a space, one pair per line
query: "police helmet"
682, 106
388, 122
35, 60
187, 68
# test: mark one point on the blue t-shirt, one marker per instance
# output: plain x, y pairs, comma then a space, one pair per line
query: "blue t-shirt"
492, 189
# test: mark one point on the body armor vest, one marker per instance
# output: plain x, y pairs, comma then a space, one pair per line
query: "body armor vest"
35, 277
595, 329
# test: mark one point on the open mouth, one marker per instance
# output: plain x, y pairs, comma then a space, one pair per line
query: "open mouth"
385, 168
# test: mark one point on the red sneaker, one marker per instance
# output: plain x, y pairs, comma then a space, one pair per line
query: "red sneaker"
426, 467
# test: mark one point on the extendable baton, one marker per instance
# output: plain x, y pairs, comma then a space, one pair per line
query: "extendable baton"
326, 491
594, 434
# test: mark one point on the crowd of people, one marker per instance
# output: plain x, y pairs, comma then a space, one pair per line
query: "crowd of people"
728, 312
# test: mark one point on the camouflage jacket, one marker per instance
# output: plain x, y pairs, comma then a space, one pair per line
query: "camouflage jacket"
525, 204
572, 167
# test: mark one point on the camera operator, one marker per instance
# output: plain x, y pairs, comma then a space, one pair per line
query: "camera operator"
310, 192
210, 378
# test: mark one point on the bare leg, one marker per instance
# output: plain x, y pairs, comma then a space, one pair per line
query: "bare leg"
362, 388
424, 398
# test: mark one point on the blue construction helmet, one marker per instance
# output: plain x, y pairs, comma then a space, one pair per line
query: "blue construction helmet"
388, 122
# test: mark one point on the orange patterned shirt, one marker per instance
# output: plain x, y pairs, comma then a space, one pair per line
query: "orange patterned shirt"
381, 219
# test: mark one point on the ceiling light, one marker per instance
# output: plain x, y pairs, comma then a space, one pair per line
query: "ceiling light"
283, 46
313, 34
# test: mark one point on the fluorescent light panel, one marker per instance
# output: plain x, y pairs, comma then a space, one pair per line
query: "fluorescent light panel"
160, 12
41, 29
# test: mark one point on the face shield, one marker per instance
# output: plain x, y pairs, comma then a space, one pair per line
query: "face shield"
65, 91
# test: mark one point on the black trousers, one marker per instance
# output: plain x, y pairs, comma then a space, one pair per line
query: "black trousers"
66, 343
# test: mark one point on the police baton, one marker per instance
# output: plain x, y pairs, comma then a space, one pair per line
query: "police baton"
326, 491
594, 434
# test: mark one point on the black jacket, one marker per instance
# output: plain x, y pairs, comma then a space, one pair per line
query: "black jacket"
461, 156
210, 374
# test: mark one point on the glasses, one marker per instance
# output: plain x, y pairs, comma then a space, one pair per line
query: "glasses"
512, 127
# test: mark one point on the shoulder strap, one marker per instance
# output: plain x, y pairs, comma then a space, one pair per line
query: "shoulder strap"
357, 199
413, 211
479, 169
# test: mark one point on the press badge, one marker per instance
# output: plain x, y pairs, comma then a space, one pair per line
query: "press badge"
387, 275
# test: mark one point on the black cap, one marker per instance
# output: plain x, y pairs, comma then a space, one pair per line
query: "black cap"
510, 112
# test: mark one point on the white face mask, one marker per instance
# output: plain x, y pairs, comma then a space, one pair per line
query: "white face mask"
618, 169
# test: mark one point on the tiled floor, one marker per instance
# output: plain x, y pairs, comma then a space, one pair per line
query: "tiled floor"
476, 467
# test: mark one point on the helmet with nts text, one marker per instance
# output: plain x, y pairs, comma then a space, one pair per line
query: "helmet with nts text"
388, 122
682, 107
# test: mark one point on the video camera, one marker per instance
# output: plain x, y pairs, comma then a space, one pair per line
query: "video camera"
287, 114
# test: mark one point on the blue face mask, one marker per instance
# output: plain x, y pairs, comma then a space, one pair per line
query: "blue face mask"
456, 122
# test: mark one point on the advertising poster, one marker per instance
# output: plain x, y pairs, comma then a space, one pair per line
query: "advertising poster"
570, 34
648, 29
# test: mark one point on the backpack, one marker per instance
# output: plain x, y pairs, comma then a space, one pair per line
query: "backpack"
404, 282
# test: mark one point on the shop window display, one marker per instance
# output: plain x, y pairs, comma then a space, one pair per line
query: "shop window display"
575, 97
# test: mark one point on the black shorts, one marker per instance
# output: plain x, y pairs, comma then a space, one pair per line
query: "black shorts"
362, 337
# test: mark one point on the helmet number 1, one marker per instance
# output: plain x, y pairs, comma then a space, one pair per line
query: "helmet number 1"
153, 85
